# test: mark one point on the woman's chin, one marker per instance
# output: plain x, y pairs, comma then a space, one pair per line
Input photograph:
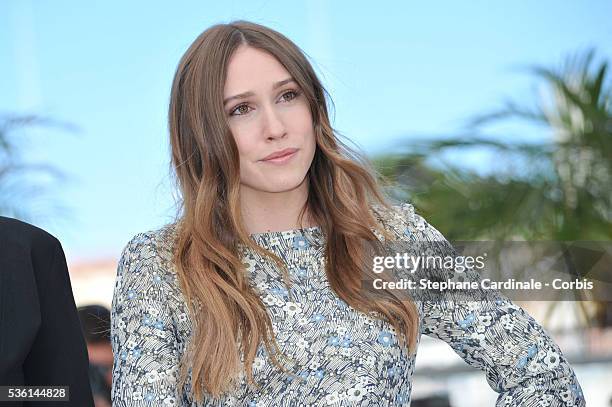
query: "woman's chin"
279, 185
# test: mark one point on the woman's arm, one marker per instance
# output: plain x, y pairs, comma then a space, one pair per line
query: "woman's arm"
520, 359
143, 336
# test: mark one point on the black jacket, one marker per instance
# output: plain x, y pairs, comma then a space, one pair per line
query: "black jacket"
41, 342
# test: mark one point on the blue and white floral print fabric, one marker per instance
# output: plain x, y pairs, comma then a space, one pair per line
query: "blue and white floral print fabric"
344, 357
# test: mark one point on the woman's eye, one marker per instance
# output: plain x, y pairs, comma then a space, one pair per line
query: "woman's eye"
291, 92
242, 109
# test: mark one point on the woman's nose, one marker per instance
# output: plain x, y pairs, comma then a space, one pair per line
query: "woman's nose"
274, 125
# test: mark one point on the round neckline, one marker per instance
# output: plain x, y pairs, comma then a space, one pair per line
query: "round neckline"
288, 232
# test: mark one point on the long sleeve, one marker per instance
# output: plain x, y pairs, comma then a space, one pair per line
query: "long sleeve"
521, 361
41, 342
58, 355
143, 332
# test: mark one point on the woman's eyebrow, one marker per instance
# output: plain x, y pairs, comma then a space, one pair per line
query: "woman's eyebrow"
249, 93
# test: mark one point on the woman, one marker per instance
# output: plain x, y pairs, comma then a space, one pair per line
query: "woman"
252, 297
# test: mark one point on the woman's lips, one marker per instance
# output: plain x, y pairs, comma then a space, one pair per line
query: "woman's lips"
281, 160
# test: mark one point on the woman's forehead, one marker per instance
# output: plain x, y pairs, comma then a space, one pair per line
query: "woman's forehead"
251, 68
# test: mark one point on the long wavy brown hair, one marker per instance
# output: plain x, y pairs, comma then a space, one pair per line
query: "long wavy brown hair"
229, 318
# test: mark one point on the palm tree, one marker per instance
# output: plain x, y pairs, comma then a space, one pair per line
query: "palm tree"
557, 190
25, 186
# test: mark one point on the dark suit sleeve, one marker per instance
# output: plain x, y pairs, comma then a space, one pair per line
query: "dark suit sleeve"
58, 355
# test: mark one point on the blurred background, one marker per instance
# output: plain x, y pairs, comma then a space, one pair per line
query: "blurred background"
494, 119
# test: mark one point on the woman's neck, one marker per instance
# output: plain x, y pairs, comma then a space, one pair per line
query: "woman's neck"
274, 211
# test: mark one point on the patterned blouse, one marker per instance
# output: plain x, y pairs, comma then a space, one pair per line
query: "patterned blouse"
346, 357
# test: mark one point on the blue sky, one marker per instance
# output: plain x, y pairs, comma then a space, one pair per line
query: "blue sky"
394, 70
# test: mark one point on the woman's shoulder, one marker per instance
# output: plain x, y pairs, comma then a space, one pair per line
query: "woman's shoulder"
149, 252
397, 212
146, 271
158, 242
399, 218
147, 286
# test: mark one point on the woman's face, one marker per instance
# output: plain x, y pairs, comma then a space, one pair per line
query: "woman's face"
269, 115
